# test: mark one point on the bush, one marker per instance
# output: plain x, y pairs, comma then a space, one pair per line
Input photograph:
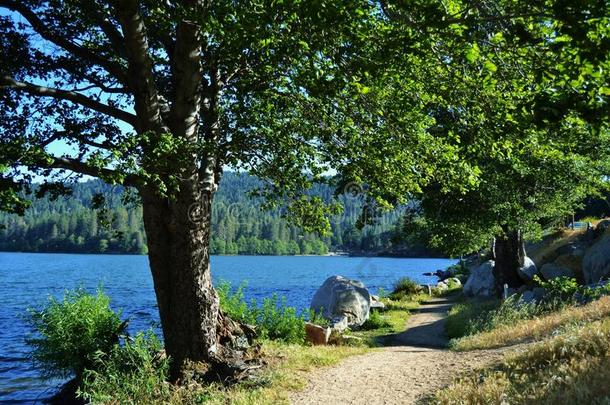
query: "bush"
404, 288
233, 304
136, 372
71, 332
560, 288
273, 319
375, 321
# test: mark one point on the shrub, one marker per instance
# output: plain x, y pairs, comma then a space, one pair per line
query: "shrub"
375, 321
233, 304
560, 288
277, 321
136, 372
404, 288
71, 332
273, 319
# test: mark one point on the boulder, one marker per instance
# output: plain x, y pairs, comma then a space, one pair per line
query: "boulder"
481, 282
573, 262
442, 286
596, 263
603, 225
528, 270
573, 249
376, 303
528, 296
552, 270
316, 334
455, 281
339, 297
539, 293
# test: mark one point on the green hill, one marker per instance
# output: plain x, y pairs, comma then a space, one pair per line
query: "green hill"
239, 225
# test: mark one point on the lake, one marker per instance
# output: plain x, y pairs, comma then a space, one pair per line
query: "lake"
27, 279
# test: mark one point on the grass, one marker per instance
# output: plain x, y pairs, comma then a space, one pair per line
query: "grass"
572, 367
137, 372
536, 328
289, 364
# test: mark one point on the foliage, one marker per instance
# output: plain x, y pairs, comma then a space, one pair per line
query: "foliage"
273, 319
375, 321
239, 225
560, 288
72, 331
404, 288
277, 321
135, 372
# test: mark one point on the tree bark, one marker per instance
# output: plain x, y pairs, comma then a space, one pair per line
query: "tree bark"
195, 331
509, 256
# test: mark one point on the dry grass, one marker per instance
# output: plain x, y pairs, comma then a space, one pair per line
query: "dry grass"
535, 329
287, 372
571, 368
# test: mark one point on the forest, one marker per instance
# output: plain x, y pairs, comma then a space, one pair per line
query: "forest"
240, 225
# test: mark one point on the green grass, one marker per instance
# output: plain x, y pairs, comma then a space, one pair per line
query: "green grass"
273, 319
404, 288
136, 371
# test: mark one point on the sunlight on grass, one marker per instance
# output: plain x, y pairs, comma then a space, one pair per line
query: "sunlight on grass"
534, 329
572, 368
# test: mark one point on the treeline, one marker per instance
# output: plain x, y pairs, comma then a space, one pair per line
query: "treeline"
239, 225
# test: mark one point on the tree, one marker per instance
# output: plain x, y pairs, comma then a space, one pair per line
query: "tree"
163, 97
522, 97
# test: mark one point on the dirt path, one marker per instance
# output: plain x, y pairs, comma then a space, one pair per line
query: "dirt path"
413, 364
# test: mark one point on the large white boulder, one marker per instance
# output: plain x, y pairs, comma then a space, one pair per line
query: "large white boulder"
339, 297
481, 282
596, 263
528, 271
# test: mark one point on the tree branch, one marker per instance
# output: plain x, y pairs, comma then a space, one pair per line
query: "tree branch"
9, 82
141, 78
38, 25
80, 167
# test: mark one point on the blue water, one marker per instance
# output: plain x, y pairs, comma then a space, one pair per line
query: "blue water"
26, 280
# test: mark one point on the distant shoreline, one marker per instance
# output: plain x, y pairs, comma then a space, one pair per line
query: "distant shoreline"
329, 254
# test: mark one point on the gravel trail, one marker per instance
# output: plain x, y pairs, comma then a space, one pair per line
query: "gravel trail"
412, 365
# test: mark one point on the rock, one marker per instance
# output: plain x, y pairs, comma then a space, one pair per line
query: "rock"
339, 297
539, 293
596, 263
481, 282
603, 225
573, 262
442, 286
340, 325
455, 281
551, 270
528, 296
316, 334
528, 271
573, 249
375, 303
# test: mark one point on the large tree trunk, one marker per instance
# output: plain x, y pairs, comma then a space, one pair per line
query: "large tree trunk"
509, 256
194, 329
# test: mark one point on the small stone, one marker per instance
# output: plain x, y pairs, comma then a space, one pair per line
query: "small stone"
316, 334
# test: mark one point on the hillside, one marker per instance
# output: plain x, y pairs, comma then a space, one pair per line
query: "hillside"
239, 225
